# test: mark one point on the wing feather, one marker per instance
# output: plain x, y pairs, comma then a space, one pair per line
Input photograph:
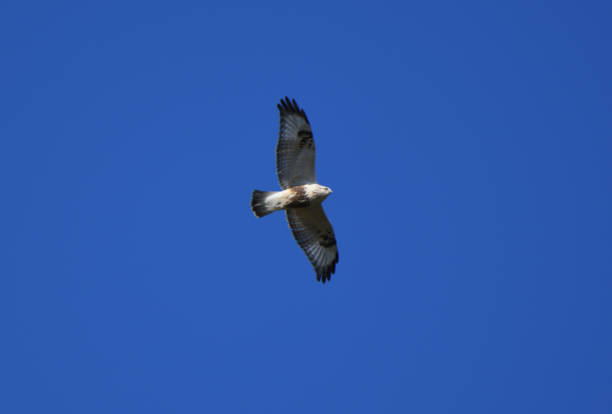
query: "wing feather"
315, 235
295, 151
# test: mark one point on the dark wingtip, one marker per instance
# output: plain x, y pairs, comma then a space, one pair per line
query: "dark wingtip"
290, 106
325, 275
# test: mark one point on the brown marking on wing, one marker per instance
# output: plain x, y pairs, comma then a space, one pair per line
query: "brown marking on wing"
305, 140
327, 239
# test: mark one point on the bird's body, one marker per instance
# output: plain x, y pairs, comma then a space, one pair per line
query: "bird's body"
301, 195
266, 202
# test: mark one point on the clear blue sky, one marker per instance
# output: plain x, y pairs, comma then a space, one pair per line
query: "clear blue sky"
469, 149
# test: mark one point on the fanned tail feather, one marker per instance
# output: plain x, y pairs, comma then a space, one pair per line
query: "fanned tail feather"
258, 203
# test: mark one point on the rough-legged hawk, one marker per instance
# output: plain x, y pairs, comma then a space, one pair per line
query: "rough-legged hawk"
301, 196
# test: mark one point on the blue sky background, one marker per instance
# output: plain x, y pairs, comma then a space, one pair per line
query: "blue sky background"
468, 146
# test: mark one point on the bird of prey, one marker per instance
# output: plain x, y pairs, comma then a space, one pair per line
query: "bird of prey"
301, 195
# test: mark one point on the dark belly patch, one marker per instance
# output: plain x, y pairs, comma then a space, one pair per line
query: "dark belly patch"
298, 198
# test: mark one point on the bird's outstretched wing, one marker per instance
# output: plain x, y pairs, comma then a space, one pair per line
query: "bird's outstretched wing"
295, 151
315, 235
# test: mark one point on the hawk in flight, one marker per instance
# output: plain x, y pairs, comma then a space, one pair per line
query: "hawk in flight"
301, 196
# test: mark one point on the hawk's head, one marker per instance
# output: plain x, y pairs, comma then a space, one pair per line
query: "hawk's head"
317, 192
323, 191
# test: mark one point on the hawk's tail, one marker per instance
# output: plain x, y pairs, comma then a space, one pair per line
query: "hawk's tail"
258, 203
